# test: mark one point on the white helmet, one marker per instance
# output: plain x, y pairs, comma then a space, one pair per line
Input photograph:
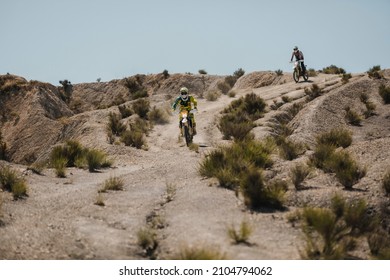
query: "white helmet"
184, 93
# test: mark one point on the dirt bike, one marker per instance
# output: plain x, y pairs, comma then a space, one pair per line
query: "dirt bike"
186, 125
298, 71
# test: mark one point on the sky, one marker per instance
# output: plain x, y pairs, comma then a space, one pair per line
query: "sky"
80, 40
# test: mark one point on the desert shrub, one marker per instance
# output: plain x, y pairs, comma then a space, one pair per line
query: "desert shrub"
242, 234
212, 95
375, 73
352, 117
345, 78
134, 138
298, 174
141, 107
384, 92
370, 109
59, 164
286, 99
115, 125
333, 69
141, 125
279, 72
379, 243
231, 80
147, 240
386, 182
112, 184
135, 86
289, 150
96, 159
239, 73
224, 87
11, 181
313, 92
237, 126
312, 72
158, 115
321, 154
231, 93
165, 74
199, 253
68, 153
337, 137
202, 71
257, 194
3, 148
346, 169
325, 234
124, 111
229, 163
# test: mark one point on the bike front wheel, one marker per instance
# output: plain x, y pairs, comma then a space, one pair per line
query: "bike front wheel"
296, 75
187, 135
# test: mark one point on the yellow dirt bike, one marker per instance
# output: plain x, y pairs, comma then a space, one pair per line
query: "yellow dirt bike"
186, 125
298, 71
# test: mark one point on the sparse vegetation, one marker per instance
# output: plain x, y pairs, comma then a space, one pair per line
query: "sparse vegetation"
386, 183
238, 118
133, 138
352, 116
337, 137
72, 154
239, 73
141, 107
212, 95
12, 182
333, 69
147, 240
384, 92
345, 78
313, 92
242, 234
202, 72
135, 86
114, 125
312, 72
199, 253
112, 184
374, 72
298, 174
158, 115
3, 148
279, 72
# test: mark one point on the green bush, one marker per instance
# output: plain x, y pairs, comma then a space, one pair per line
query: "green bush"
115, 126
346, 169
321, 154
12, 182
141, 107
298, 174
202, 72
375, 73
158, 115
333, 69
199, 253
337, 137
279, 72
384, 92
236, 126
124, 111
239, 73
242, 234
257, 194
59, 164
3, 148
133, 138
96, 159
224, 87
313, 92
352, 117
112, 184
345, 78
68, 154
386, 182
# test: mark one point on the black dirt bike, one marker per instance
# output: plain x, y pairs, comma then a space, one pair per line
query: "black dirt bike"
298, 71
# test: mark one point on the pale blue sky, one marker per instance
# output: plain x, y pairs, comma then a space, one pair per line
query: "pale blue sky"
80, 40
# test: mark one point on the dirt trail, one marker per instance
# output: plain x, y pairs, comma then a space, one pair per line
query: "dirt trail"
60, 221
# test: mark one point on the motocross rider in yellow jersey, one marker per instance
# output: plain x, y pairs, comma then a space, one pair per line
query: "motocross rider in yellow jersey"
185, 101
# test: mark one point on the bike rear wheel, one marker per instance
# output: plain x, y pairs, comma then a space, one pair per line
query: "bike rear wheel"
296, 75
